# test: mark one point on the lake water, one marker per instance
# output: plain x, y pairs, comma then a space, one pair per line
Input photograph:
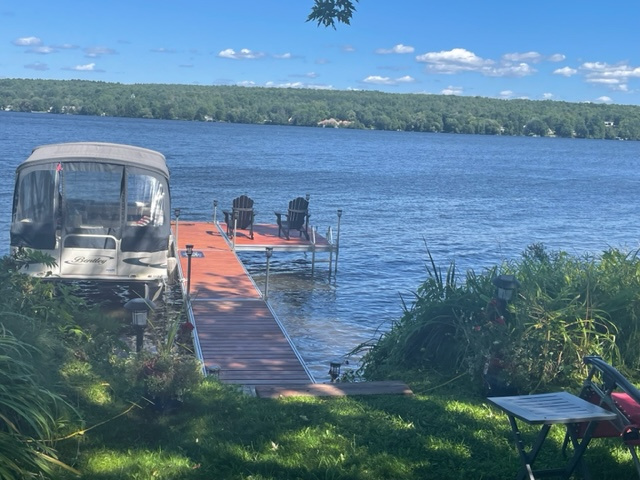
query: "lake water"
475, 200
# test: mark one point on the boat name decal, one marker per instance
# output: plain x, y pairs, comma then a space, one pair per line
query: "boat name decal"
82, 260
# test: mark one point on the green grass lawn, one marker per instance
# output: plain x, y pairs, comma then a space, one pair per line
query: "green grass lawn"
220, 433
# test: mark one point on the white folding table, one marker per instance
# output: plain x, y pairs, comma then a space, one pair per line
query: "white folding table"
549, 409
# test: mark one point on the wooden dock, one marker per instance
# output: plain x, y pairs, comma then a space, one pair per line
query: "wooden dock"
237, 334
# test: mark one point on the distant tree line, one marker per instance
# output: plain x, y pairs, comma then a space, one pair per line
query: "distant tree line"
306, 107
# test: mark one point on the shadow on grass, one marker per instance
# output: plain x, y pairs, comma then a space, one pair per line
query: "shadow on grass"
221, 433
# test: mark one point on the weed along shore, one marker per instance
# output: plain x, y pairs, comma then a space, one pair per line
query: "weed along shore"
444, 429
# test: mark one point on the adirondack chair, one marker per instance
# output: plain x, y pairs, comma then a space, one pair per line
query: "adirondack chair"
240, 216
296, 218
607, 387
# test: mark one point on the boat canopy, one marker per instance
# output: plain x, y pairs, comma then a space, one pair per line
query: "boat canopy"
91, 195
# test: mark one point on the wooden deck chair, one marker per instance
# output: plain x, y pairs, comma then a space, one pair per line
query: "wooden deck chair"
240, 216
296, 218
607, 387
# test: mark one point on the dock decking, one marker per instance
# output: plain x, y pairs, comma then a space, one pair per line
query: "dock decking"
237, 332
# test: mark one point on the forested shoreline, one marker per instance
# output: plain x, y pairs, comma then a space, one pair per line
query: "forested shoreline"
324, 108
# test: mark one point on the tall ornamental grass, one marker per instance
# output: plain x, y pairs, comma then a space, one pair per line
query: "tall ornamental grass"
565, 308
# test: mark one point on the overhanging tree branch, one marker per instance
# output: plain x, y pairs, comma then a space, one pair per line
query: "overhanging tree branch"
328, 12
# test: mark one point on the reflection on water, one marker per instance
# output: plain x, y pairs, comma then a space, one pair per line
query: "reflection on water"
297, 294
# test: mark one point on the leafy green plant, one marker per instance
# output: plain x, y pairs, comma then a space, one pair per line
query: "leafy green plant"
30, 415
565, 309
170, 370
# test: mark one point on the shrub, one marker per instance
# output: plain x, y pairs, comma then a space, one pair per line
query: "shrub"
566, 307
30, 415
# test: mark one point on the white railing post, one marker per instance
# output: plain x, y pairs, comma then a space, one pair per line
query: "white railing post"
338, 239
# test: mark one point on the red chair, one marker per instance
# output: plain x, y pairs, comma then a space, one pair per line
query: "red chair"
607, 387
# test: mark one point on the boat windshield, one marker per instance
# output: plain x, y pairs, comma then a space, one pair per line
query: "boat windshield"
91, 205
145, 200
91, 197
34, 222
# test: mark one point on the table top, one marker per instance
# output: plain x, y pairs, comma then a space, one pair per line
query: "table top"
551, 408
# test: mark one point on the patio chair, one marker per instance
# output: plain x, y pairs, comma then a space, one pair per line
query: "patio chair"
607, 387
240, 216
296, 218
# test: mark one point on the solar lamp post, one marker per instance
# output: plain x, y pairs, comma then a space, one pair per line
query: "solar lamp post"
334, 370
505, 286
189, 255
139, 308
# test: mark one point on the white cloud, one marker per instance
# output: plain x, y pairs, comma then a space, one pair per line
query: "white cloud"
379, 80
461, 60
519, 70
604, 99
285, 84
284, 56
348, 48
27, 41
547, 96
533, 57
556, 57
616, 77
565, 71
299, 85
35, 45
243, 54
453, 61
42, 50
95, 52
400, 48
506, 94
451, 90
89, 67
315, 86
604, 81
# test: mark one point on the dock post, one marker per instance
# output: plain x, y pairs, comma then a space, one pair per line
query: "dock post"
176, 211
313, 251
330, 238
189, 254
268, 253
338, 239
235, 226
215, 212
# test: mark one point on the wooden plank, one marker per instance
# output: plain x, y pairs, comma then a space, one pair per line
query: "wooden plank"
334, 389
237, 331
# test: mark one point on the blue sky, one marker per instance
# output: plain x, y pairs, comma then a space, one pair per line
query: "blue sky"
559, 50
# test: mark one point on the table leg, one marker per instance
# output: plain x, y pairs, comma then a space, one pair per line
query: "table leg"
528, 458
579, 447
